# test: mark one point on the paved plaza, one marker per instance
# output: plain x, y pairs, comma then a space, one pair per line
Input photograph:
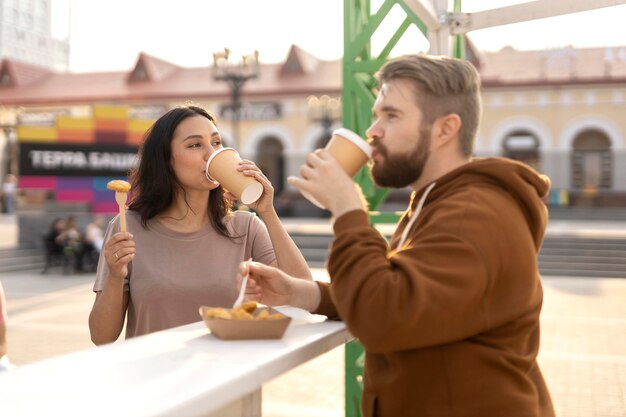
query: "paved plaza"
583, 352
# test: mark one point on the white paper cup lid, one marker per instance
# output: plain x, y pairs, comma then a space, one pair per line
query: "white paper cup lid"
356, 139
208, 162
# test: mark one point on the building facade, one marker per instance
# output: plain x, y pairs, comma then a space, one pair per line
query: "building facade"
26, 34
559, 111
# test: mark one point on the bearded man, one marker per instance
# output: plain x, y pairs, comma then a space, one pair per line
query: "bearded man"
448, 310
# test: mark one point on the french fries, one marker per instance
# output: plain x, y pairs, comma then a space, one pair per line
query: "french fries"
247, 311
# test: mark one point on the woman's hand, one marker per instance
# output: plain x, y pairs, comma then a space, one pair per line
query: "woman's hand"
118, 252
265, 203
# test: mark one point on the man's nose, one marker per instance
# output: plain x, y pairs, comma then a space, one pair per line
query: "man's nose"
373, 132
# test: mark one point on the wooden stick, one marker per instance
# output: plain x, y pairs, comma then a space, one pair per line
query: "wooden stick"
120, 197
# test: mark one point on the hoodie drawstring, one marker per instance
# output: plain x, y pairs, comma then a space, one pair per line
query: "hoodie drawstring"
415, 214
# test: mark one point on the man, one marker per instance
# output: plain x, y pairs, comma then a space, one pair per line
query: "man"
448, 311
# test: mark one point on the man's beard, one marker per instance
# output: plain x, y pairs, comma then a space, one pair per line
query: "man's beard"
401, 170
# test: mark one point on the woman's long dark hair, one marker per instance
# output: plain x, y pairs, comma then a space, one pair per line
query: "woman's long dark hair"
153, 182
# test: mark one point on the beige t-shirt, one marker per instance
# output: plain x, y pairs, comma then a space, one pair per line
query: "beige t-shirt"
173, 274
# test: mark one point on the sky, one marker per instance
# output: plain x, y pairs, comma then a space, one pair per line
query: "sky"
109, 35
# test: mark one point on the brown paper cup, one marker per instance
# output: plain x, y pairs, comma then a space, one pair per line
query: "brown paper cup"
222, 168
350, 150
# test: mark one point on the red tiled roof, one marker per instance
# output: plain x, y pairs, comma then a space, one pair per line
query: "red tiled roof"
301, 73
166, 81
299, 62
555, 66
155, 68
20, 73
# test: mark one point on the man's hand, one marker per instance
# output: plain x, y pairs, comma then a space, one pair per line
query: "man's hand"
325, 180
271, 286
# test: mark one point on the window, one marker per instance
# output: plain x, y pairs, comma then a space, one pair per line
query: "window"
271, 162
592, 160
139, 74
5, 79
523, 146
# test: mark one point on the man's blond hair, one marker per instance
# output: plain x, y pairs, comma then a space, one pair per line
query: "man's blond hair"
442, 86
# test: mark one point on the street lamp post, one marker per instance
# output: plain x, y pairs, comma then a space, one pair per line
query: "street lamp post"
325, 111
236, 75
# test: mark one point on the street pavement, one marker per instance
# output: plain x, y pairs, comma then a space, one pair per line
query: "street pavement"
8, 230
583, 350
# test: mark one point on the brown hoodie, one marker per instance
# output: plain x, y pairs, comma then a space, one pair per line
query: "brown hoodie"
449, 320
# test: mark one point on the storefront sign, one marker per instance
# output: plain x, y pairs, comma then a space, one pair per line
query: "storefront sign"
253, 111
42, 159
40, 118
147, 112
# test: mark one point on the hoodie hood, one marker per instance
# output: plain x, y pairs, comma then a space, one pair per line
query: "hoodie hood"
526, 185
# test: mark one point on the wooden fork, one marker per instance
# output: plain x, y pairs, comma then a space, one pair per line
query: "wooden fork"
244, 282
120, 198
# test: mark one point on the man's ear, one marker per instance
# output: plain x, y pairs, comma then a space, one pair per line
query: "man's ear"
446, 128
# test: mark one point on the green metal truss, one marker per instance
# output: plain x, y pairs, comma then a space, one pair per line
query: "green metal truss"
359, 68
358, 95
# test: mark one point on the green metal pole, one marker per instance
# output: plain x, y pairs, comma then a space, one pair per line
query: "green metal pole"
358, 95
458, 50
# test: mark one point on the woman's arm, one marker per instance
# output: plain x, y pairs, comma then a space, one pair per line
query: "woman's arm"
109, 309
288, 256
108, 312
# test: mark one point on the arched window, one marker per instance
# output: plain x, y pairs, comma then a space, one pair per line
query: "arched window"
523, 146
592, 160
271, 161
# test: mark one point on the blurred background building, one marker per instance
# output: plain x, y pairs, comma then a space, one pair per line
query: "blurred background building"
64, 135
557, 110
26, 34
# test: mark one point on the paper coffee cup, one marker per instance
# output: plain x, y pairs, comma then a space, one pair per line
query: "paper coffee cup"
350, 150
222, 168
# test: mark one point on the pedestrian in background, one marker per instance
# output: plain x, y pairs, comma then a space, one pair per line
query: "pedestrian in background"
54, 245
94, 233
71, 239
9, 189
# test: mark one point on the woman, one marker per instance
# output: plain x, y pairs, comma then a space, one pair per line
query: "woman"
184, 243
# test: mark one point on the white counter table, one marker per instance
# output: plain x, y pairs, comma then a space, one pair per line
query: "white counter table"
184, 371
